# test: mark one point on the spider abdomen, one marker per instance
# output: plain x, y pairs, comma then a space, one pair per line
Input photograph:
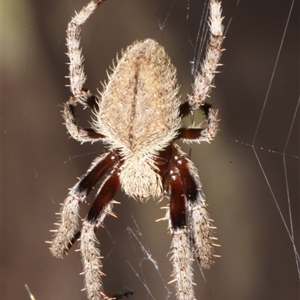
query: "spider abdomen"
139, 106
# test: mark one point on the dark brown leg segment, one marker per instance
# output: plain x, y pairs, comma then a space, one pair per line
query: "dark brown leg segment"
90, 252
104, 197
95, 173
67, 231
204, 134
177, 200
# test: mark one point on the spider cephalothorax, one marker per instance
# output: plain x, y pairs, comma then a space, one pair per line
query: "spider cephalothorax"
138, 116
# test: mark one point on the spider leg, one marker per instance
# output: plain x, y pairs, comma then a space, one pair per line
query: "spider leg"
78, 133
76, 68
90, 252
67, 229
183, 185
77, 77
202, 229
202, 134
168, 163
205, 78
181, 254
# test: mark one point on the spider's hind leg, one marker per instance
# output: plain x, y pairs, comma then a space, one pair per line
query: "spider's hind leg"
186, 196
200, 224
181, 254
91, 257
66, 231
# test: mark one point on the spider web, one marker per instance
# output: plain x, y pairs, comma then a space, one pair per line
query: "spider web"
250, 173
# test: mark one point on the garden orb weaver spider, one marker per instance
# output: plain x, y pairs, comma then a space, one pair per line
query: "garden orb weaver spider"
138, 117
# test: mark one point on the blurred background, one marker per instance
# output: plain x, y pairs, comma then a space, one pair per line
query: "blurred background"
40, 162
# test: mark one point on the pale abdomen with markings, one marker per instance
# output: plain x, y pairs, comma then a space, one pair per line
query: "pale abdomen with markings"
139, 113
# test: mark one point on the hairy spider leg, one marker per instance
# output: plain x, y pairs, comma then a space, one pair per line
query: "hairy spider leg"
77, 132
104, 196
199, 134
77, 78
177, 199
76, 68
67, 229
200, 224
205, 77
90, 252
181, 254
182, 185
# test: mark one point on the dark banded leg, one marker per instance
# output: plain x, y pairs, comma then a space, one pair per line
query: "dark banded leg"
202, 229
67, 228
90, 252
182, 256
177, 201
197, 134
184, 188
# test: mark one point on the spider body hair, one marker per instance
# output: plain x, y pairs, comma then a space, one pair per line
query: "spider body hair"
138, 116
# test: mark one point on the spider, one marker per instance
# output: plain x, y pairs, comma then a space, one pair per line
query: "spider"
138, 117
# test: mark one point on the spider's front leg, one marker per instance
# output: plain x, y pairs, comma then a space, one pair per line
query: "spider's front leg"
76, 67
205, 78
77, 77
204, 81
